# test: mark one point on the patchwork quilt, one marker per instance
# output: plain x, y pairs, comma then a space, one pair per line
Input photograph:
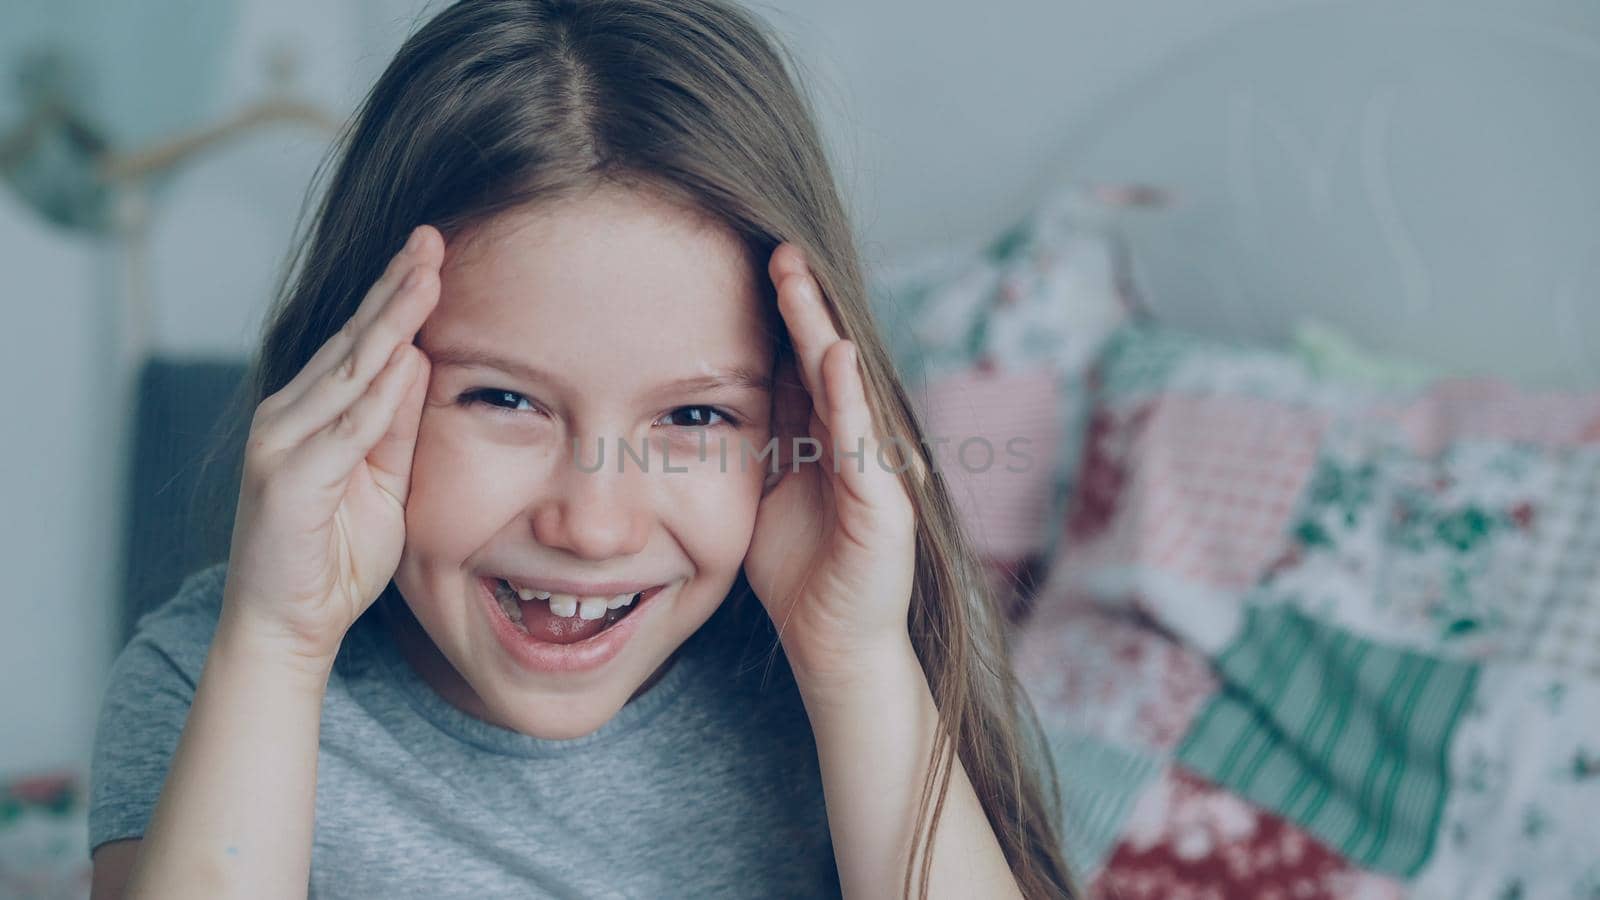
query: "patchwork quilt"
1307, 636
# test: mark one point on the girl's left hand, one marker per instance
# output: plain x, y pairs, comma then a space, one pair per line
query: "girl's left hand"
834, 546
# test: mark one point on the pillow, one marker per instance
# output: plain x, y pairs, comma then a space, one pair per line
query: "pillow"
1458, 516
1331, 354
994, 343
1047, 291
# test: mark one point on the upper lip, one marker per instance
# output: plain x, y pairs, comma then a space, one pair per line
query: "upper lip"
577, 588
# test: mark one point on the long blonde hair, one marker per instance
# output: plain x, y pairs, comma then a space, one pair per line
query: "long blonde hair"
494, 105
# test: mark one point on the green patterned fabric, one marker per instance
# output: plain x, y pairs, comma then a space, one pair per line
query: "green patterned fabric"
1343, 736
1099, 782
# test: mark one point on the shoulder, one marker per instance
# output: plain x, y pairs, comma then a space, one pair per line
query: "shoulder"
178, 632
145, 704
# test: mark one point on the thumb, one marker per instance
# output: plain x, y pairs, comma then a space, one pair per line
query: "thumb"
390, 459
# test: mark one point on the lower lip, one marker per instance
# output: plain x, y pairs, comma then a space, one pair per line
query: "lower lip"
543, 656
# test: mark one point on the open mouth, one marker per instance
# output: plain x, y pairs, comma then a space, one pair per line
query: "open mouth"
564, 619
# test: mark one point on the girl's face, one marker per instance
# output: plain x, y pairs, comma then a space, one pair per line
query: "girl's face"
613, 319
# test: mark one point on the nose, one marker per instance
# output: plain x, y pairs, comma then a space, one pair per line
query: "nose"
594, 513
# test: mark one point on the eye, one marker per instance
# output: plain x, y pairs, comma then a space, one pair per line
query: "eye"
506, 402
697, 416
501, 400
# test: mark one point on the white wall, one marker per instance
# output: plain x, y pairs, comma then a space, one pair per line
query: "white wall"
59, 532
218, 232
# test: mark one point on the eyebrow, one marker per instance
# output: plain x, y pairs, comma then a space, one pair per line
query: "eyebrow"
465, 355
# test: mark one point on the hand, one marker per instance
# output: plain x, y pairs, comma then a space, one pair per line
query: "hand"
321, 517
834, 546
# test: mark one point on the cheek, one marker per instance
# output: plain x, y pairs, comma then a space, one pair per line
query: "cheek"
711, 510
459, 494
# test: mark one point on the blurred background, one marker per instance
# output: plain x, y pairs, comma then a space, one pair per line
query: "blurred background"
1406, 184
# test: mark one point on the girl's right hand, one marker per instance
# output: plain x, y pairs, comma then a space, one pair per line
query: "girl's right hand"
327, 469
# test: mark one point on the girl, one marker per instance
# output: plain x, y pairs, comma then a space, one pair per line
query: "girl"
480, 667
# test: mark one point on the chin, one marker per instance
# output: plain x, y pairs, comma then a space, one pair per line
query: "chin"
556, 719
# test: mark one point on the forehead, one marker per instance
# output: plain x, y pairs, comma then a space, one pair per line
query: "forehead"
611, 274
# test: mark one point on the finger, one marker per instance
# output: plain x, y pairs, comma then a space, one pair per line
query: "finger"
340, 386
869, 479
805, 316
329, 457
791, 409
391, 458
424, 248
796, 416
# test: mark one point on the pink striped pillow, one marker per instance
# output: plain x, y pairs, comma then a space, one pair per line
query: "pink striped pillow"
996, 436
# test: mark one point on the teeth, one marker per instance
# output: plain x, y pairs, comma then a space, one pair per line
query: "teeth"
526, 593
564, 605
513, 611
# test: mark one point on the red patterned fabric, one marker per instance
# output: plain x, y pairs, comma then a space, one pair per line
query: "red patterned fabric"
1110, 676
1186, 839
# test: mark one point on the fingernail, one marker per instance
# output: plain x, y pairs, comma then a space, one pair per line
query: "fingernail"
415, 239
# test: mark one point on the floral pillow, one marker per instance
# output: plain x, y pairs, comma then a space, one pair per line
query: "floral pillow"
1046, 292
994, 343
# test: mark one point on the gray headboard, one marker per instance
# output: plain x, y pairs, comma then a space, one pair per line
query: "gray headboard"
180, 510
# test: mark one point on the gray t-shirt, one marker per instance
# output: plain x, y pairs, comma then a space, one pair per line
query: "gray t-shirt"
707, 785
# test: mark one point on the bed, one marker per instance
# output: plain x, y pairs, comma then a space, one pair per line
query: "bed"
1308, 599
